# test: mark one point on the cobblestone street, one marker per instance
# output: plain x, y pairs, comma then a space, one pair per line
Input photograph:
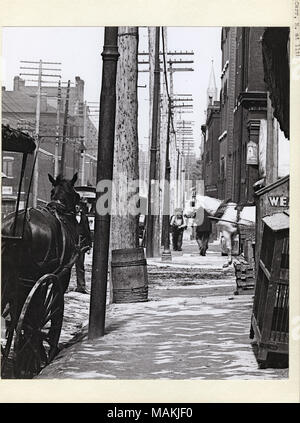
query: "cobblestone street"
192, 327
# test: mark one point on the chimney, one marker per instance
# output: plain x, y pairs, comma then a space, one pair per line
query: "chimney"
19, 83
79, 88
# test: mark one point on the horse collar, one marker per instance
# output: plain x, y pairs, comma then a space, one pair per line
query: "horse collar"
59, 207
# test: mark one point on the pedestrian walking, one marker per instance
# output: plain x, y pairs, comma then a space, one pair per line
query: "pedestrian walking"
203, 231
85, 241
178, 225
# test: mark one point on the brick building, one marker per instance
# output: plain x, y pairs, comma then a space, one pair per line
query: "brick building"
251, 144
19, 111
211, 148
250, 112
227, 99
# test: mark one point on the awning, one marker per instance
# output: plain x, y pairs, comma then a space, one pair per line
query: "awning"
278, 221
275, 45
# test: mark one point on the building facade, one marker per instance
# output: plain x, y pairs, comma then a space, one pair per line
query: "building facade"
211, 148
250, 112
227, 98
251, 148
19, 112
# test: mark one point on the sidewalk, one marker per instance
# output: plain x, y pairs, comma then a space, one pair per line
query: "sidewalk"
192, 327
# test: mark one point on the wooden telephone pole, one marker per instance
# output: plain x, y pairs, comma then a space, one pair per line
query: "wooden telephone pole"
83, 144
63, 147
166, 254
39, 81
37, 134
153, 227
152, 200
110, 57
126, 167
56, 151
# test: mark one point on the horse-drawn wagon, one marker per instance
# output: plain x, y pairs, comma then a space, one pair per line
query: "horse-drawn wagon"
38, 252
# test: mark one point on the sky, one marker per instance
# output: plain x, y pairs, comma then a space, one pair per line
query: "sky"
79, 50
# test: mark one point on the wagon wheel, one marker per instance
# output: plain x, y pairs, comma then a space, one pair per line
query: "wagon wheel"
39, 327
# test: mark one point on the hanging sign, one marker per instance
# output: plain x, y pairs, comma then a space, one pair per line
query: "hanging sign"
252, 153
278, 200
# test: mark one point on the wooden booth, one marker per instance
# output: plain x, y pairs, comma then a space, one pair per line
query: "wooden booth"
270, 315
271, 199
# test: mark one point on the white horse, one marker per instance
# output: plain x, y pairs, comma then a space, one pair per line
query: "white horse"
228, 222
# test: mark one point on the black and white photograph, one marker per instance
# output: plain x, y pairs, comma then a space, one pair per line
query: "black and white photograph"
145, 208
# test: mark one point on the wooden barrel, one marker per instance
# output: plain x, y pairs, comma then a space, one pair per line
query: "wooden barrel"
129, 275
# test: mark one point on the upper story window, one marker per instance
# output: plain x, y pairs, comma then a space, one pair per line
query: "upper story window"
7, 166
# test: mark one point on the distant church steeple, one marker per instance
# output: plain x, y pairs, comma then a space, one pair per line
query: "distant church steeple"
212, 91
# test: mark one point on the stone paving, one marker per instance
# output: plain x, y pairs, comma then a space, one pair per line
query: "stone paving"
192, 327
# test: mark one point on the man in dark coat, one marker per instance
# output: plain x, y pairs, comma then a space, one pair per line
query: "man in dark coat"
203, 230
85, 241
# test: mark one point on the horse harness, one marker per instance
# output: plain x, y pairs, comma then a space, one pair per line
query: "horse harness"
57, 247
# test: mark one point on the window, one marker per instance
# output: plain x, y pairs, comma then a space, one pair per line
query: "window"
7, 167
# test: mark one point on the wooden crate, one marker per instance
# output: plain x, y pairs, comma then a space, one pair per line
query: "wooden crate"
247, 233
270, 315
247, 242
245, 276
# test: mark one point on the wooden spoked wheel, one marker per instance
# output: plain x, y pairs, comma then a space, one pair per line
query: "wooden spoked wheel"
39, 327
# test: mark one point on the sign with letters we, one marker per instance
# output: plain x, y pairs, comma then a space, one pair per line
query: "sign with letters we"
278, 200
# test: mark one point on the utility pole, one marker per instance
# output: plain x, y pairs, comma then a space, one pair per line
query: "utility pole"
166, 254
125, 221
83, 146
152, 195
110, 57
39, 81
178, 177
56, 151
63, 147
37, 134
171, 70
173, 158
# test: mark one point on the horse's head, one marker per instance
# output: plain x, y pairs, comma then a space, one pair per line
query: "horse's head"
63, 192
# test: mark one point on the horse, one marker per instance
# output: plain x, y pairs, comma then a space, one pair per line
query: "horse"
227, 221
48, 239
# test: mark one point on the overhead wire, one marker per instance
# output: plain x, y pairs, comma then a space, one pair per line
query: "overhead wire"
167, 85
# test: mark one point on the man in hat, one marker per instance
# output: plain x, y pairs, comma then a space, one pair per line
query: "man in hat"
178, 225
85, 241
